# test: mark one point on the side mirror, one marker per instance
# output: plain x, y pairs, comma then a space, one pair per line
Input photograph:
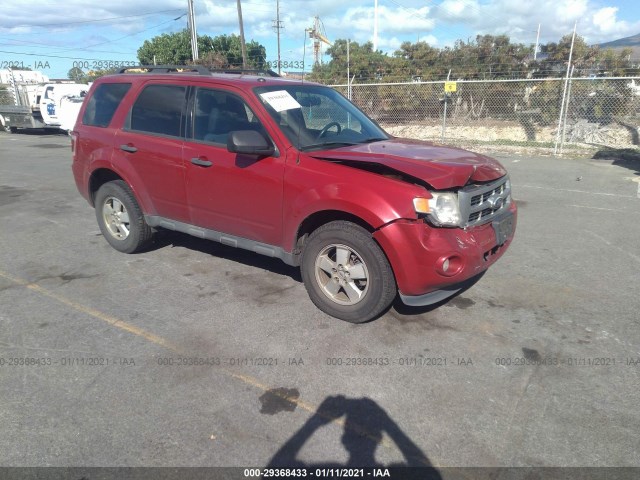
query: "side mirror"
249, 142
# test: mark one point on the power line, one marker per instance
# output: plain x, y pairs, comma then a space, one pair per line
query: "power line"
84, 49
121, 38
25, 43
93, 21
48, 56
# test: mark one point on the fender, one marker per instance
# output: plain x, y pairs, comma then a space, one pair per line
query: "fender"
375, 199
130, 176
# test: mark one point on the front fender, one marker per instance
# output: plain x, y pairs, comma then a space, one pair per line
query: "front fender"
323, 186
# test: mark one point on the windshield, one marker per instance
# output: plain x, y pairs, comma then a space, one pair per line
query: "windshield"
314, 117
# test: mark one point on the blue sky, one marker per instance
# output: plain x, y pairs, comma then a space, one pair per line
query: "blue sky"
53, 36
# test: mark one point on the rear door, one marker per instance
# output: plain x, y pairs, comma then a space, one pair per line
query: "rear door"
228, 192
151, 142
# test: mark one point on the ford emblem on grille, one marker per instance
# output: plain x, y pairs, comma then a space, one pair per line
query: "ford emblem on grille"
495, 201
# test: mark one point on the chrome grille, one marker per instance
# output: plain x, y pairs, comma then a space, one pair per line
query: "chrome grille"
483, 197
481, 203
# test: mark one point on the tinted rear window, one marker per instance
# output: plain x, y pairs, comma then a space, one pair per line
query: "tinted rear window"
158, 110
103, 104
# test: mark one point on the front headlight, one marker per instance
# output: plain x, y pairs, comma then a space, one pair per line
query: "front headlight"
443, 209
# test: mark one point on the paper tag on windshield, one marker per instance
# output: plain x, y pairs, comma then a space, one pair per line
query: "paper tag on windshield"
280, 100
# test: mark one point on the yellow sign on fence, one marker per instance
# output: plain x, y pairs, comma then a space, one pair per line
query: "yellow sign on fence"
450, 86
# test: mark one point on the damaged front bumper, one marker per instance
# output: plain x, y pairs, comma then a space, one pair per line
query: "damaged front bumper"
432, 264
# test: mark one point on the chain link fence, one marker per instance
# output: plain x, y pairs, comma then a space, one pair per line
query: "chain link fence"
549, 114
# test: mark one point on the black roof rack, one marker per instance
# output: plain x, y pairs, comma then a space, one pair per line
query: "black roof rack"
198, 69
245, 71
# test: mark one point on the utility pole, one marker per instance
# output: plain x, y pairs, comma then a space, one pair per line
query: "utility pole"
564, 93
375, 26
192, 30
242, 44
348, 70
535, 52
277, 26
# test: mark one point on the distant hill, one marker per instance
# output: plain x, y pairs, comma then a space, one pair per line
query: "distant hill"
632, 42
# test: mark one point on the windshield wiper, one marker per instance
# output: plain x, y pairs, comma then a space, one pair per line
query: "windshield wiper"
327, 145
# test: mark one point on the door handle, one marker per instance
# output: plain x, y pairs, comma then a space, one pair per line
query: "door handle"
202, 161
128, 148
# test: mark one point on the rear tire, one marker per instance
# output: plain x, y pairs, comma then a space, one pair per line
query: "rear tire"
346, 273
120, 218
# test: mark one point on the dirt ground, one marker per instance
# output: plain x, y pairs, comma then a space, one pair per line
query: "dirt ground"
496, 134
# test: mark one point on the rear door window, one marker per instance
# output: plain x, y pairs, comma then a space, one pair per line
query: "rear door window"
103, 104
159, 110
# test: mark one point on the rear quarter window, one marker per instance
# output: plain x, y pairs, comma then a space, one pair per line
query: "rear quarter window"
103, 104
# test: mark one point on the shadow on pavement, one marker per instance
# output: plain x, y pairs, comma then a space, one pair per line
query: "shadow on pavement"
403, 309
622, 157
168, 238
48, 132
364, 423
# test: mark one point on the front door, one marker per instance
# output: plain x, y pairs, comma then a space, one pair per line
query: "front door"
227, 192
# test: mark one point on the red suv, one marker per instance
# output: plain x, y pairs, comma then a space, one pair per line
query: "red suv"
291, 170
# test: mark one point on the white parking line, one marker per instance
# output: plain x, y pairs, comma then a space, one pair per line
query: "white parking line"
598, 208
635, 257
578, 191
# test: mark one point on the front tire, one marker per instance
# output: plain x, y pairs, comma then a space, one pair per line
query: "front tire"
346, 273
120, 218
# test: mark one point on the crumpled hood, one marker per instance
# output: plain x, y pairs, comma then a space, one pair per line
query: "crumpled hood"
440, 166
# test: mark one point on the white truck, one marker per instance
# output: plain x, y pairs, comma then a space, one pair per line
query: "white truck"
31, 101
60, 104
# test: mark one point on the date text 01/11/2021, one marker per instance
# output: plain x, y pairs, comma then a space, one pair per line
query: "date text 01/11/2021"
318, 472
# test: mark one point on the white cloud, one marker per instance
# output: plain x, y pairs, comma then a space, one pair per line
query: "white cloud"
520, 20
570, 9
389, 45
401, 20
458, 10
389, 20
605, 20
430, 39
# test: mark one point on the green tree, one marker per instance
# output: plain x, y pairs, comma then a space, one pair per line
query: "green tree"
583, 56
497, 57
77, 75
92, 75
167, 49
229, 47
418, 59
616, 63
222, 51
365, 64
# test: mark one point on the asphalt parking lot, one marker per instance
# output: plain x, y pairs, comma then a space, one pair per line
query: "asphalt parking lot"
196, 354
